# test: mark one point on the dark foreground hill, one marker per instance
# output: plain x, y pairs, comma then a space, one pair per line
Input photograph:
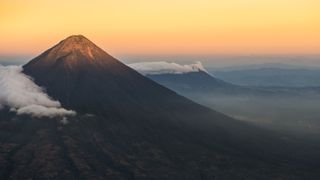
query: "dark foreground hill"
129, 127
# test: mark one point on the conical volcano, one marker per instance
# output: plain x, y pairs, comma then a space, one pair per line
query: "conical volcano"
83, 77
129, 127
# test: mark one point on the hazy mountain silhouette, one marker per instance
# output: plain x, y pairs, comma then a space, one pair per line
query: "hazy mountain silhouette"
193, 79
197, 82
129, 127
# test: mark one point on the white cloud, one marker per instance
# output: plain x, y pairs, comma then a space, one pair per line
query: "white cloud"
23, 96
163, 67
41, 111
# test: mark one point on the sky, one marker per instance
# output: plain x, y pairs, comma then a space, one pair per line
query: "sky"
164, 26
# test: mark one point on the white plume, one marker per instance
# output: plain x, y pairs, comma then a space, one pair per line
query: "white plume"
23, 96
162, 67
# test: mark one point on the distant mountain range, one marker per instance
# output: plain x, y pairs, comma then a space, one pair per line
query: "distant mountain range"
127, 126
256, 81
197, 80
266, 66
284, 77
13, 60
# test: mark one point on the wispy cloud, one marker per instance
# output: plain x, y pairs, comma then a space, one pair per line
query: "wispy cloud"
163, 67
23, 96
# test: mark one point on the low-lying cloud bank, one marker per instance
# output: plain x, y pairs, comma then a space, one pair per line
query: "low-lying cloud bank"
163, 67
23, 96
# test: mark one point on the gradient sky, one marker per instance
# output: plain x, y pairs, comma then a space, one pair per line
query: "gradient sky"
164, 26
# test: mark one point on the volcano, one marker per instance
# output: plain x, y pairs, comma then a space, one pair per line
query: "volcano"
129, 127
85, 78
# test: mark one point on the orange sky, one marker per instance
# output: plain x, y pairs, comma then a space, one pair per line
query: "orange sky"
164, 26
